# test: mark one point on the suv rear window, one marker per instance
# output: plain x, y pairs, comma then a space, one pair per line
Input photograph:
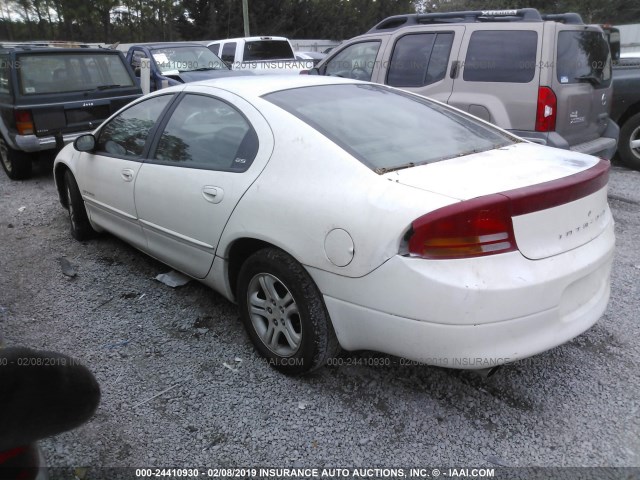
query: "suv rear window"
388, 129
501, 56
69, 72
583, 56
267, 50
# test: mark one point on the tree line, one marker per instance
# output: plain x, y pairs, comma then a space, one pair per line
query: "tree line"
129, 21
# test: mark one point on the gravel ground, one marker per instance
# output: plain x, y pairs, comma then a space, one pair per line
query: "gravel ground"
182, 386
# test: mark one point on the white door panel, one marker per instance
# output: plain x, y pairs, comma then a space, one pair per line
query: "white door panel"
182, 225
184, 206
107, 185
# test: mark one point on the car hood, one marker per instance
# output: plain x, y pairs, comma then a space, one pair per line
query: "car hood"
196, 76
494, 171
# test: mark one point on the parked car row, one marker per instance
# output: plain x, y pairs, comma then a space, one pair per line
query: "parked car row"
546, 78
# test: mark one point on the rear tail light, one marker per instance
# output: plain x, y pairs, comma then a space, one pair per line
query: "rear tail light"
547, 110
474, 228
482, 226
24, 122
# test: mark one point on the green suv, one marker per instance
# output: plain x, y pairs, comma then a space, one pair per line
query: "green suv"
49, 96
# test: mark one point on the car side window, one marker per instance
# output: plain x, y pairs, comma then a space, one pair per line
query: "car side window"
501, 56
355, 61
228, 55
205, 132
420, 59
4, 74
126, 134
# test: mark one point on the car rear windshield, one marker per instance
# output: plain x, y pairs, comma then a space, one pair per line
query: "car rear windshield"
387, 129
583, 56
267, 50
70, 72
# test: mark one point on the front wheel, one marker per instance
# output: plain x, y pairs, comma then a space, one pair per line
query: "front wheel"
16, 164
629, 143
284, 314
80, 226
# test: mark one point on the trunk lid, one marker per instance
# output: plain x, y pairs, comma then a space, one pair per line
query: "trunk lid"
558, 198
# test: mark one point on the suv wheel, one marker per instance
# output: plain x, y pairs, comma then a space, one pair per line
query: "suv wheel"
629, 144
16, 164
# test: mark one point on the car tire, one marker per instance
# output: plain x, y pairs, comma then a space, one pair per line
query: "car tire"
80, 226
284, 314
16, 164
630, 132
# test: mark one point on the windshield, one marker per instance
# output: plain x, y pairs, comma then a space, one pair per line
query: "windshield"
267, 50
70, 72
388, 129
186, 59
583, 56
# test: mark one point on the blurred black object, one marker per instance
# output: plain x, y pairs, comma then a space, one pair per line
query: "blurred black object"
41, 394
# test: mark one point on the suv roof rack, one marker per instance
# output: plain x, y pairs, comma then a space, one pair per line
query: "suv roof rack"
569, 18
473, 16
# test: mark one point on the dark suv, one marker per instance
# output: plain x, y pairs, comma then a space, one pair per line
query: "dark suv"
546, 78
50, 96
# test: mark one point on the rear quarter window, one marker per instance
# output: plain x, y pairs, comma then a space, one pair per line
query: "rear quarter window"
507, 56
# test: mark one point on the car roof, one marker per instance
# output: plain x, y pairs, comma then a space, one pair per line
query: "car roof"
259, 85
154, 45
248, 39
37, 49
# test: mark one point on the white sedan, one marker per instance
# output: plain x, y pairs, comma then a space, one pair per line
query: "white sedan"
338, 213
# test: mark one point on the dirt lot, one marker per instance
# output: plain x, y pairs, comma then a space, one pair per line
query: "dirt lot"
182, 386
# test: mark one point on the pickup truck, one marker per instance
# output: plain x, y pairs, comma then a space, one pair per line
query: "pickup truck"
626, 109
261, 55
176, 63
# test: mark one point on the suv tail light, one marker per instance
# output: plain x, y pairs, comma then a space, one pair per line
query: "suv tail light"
24, 122
547, 110
483, 226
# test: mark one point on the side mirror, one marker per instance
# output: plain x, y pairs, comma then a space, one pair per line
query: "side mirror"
136, 71
314, 71
85, 143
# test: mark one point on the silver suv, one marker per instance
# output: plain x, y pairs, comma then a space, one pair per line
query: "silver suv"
546, 78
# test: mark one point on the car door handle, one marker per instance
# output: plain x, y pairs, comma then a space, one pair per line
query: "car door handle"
212, 194
127, 174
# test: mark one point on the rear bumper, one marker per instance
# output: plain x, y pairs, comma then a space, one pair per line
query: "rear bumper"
603, 147
31, 143
473, 314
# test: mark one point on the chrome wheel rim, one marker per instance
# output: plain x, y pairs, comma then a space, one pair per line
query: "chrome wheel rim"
274, 315
4, 155
634, 142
